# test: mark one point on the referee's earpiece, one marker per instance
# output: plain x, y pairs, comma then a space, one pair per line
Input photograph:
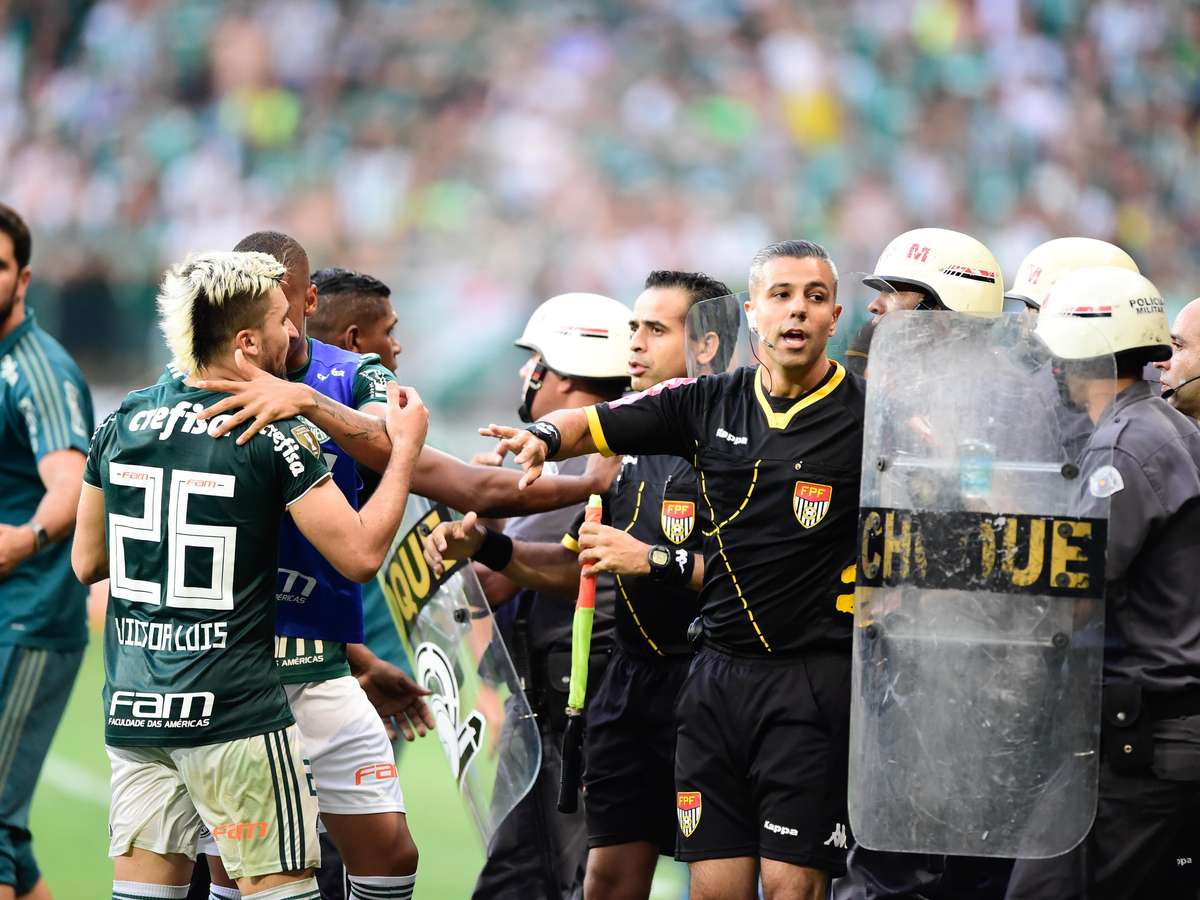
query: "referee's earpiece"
753, 323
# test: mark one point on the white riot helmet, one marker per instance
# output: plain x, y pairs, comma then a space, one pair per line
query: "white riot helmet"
959, 271
1048, 262
580, 335
1092, 313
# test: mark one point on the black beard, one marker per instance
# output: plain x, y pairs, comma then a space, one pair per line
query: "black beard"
7, 307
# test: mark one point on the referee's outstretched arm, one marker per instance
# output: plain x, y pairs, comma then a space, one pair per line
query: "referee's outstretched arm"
531, 450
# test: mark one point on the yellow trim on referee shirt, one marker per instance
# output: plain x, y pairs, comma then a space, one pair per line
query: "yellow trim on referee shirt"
783, 419
570, 543
597, 432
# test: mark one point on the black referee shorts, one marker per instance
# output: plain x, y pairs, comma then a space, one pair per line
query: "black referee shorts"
760, 759
630, 776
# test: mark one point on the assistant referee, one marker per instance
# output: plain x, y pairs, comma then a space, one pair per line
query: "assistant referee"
763, 717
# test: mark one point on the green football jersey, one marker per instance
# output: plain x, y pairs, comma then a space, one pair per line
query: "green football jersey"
302, 660
193, 530
44, 407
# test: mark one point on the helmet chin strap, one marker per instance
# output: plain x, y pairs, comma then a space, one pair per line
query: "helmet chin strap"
532, 386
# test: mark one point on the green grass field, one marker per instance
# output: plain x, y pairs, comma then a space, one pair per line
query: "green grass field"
70, 810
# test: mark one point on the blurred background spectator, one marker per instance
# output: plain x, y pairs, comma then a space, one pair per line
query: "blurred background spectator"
482, 156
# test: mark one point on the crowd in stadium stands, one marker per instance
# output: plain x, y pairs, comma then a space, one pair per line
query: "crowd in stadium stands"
483, 156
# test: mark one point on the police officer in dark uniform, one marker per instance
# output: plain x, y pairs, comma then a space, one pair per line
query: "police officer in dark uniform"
650, 540
922, 269
1149, 787
577, 345
1039, 271
763, 718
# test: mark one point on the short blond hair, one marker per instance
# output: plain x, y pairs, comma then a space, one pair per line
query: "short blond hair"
209, 298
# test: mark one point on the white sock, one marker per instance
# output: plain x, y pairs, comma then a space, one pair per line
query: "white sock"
382, 887
137, 890
216, 892
296, 890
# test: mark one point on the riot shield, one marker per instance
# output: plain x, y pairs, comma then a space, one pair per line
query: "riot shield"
484, 723
979, 613
718, 337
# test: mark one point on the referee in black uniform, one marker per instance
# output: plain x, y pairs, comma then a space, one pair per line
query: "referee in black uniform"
651, 541
763, 717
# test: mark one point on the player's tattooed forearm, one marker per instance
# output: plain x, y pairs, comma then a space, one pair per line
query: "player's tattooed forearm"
354, 426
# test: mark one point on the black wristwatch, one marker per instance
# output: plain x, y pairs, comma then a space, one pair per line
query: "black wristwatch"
40, 538
670, 566
661, 561
549, 435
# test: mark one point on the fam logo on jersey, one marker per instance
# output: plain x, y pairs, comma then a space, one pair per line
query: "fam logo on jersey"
375, 772
688, 807
811, 502
678, 519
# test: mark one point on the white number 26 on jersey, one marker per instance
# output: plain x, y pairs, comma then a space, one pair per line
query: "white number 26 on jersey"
221, 540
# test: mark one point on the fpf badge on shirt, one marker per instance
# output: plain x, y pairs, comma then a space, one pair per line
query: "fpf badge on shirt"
678, 519
811, 502
688, 808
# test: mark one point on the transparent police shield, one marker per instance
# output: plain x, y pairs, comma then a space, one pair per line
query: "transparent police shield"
979, 614
718, 336
484, 723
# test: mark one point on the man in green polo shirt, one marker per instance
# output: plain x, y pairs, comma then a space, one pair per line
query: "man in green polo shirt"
45, 421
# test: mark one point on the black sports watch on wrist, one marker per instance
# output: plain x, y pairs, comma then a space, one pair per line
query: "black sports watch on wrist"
548, 434
660, 559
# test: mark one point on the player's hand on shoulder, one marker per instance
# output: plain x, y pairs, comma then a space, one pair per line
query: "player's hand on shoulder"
529, 451
605, 549
407, 418
452, 540
261, 399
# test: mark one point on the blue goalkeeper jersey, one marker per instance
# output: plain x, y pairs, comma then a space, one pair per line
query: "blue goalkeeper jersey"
315, 600
45, 406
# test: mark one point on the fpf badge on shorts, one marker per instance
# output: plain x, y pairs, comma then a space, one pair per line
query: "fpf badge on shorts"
688, 810
811, 502
678, 519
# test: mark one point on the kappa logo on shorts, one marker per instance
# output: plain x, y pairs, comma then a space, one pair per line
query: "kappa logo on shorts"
811, 502
838, 838
780, 829
678, 520
688, 809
